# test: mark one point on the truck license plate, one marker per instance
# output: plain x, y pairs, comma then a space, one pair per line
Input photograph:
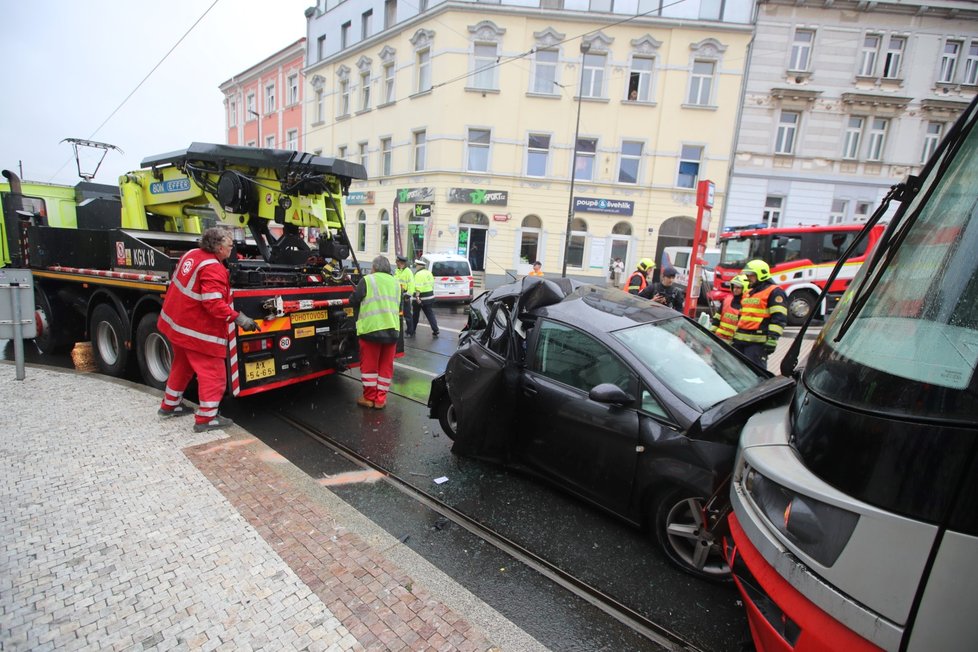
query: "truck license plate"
259, 369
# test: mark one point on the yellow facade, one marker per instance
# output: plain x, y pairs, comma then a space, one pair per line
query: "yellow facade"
501, 101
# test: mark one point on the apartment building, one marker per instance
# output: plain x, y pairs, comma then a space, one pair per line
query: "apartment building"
842, 100
487, 127
263, 104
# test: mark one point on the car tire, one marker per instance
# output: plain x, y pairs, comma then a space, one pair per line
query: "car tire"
800, 304
57, 326
447, 418
153, 352
108, 341
680, 531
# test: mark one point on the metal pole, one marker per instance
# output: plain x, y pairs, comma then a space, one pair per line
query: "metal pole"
18, 330
585, 46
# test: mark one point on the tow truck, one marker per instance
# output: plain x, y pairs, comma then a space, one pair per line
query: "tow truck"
101, 258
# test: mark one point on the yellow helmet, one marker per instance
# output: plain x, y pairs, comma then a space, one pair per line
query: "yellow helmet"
645, 264
740, 281
759, 268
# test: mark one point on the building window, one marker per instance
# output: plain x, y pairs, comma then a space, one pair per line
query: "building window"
424, 70
606, 6
321, 48
854, 132
477, 155
711, 9
689, 166
385, 231
551, 4
365, 91
545, 72
863, 209
390, 13
701, 83
576, 243
366, 23
361, 231
932, 138
949, 61
345, 34
386, 154
362, 155
537, 155
232, 113
868, 55
420, 147
772, 211
341, 152
840, 208
292, 139
388, 82
801, 50
894, 57
270, 142
787, 130
422, 6
270, 98
344, 97
530, 239
640, 79
877, 139
320, 106
292, 84
593, 80
971, 65
484, 66
250, 106
584, 161
628, 163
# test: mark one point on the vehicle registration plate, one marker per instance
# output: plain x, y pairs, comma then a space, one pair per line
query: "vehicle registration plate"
311, 315
259, 369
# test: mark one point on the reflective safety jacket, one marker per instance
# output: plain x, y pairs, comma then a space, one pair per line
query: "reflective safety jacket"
725, 321
424, 284
406, 278
763, 315
636, 282
197, 313
380, 309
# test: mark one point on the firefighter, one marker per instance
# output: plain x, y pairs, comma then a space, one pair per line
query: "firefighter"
424, 297
639, 278
763, 314
197, 319
725, 319
378, 326
405, 277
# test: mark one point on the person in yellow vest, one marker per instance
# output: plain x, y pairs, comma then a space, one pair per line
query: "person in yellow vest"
405, 277
378, 296
726, 318
763, 314
640, 277
537, 271
424, 297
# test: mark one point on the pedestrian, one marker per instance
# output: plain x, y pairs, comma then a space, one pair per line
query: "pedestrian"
724, 322
639, 280
617, 270
665, 291
474, 260
378, 296
405, 277
537, 269
196, 319
424, 297
763, 314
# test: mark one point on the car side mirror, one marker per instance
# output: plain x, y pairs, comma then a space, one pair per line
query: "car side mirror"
610, 393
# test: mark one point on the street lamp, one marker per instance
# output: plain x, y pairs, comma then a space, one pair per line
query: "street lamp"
585, 47
258, 118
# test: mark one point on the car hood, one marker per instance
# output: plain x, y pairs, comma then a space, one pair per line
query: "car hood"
771, 389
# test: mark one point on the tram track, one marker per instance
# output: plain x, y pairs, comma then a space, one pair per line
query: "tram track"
624, 614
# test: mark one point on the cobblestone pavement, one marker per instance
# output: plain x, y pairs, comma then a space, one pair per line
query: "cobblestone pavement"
121, 531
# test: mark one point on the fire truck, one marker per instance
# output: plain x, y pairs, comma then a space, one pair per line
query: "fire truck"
101, 258
801, 259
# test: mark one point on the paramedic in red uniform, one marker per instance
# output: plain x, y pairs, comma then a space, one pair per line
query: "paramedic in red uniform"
196, 318
378, 296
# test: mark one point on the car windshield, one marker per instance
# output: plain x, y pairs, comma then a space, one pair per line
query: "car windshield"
710, 259
688, 361
735, 252
450, 268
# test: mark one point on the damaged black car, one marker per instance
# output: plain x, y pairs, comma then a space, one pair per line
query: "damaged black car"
617, 399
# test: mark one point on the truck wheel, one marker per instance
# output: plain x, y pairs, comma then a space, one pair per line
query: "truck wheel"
799, 305
153, 352
56, 326
108, 340
447, 418
680, 529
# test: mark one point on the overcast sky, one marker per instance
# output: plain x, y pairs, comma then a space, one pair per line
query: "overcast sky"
68, 64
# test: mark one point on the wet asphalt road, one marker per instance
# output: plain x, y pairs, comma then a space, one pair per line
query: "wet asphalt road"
594, 547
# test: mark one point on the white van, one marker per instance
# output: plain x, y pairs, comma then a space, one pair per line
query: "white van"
678, 259
453, 276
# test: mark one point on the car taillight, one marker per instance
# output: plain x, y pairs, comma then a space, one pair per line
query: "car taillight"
471, 283
254, 346
819, 529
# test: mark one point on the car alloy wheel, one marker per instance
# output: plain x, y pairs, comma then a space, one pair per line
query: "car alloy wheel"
681, 528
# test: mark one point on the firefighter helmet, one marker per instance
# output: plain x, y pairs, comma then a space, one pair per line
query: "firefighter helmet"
739, 281
758, 268
645, 264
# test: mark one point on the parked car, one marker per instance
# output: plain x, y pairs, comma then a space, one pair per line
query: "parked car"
453, 276
617, 399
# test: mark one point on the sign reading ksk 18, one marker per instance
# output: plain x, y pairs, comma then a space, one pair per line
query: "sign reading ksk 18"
173, 185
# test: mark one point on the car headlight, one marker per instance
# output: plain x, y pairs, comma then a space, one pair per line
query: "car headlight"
819, 529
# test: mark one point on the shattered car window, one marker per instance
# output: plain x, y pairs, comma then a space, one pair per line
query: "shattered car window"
701, 372
575, 358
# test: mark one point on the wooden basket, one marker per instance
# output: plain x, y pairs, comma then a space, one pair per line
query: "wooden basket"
83, 358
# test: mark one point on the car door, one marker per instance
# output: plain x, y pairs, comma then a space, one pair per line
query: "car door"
585, 445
